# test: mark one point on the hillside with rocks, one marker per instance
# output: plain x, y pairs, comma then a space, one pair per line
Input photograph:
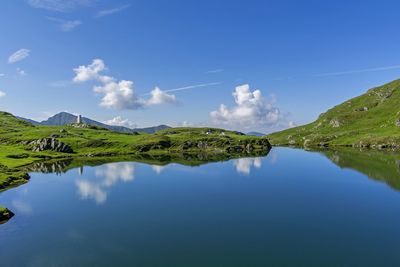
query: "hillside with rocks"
371, 120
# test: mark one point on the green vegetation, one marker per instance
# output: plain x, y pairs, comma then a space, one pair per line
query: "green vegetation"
371, 120
382, 166
5, 215
23, 144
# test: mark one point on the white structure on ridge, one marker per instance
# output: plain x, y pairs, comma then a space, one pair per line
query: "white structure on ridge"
79, 119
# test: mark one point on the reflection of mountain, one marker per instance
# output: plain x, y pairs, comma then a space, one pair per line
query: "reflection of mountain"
58, 167
378, 165
189, 159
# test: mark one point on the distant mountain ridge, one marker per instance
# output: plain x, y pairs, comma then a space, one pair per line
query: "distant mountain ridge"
64, 118
255, 133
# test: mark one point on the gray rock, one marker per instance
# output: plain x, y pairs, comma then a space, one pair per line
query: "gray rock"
334, 123
50, 144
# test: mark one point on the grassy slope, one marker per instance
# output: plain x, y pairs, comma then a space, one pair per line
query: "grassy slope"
357, 127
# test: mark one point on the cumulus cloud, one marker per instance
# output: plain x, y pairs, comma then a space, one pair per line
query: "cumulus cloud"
60, 5
18, 55
89, 72
118, 94
2, 94
251, 111
119, 121
160, 97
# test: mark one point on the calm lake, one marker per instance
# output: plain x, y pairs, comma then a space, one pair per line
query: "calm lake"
289, 208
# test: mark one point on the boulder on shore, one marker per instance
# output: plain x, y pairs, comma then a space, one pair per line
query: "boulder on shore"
50, 144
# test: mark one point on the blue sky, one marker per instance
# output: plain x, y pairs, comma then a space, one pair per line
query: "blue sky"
286, 61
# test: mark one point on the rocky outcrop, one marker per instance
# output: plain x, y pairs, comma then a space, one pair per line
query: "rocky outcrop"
334, 123
50, 144
5, 215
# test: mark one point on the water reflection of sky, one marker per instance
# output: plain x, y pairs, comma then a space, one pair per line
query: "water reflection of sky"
107, 175
123, 214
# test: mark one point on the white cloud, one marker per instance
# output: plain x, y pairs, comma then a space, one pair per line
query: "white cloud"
90, 72
117, 94
214, 71
66, 25
70, 24
21, 72
19, 55
2, 94
60, 5
160, 97
356, 71
110, 11
244, 165
2, 74
119, 121
252, 111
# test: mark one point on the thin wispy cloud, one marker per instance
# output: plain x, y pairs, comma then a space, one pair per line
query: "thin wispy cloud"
214, 71
356, 71
2, 94
193, 86
111, 11
60, 5
18, 55
65, 25
189, 87
2, 74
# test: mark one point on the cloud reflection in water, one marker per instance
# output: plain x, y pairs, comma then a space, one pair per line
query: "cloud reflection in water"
244, 165
109, 175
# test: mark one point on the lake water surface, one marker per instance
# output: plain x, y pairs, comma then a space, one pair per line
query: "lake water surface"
289, 208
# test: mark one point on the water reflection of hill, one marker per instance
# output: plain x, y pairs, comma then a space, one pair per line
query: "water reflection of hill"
188, 159
378, 165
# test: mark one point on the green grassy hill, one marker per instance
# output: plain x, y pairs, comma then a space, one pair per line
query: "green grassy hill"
370, 120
